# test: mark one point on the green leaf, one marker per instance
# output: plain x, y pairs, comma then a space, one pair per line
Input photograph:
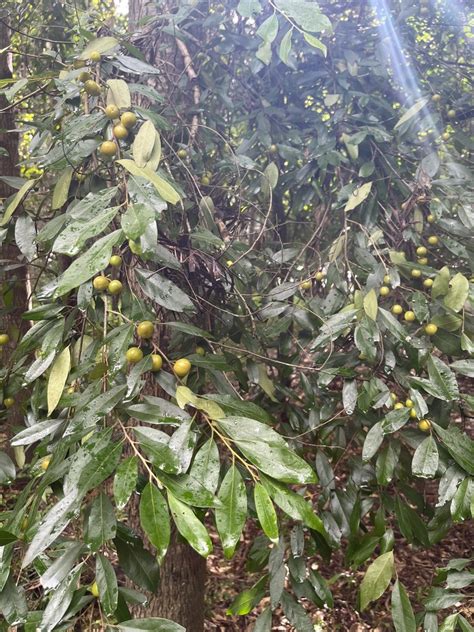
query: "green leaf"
87, 265
189, 526
71, 240
61, 189
118, 93
147, 147
440, 285
240, 407
458, 292
13, 205
248, 599
285, 47
402, 612
247, 8
376, 579
411, 112
57, 378
295, 613
373, 441
306, 14
107, 584
465, 367
6, 537
316, 43
426, 458
154, 518
153, 624
37, 432
136, 219
60, 601
443, 379
155, 445
266, 512
357, 197
61, 567
206, 466
267, 450
101, 523
13, 603
125, 481
100, 44
231, 515
370, 304
459, 446
162, 291
164, 189
138, 564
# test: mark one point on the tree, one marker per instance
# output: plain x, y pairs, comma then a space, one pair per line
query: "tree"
275, 232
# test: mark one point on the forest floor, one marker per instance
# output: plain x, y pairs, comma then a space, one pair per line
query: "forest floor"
416, 569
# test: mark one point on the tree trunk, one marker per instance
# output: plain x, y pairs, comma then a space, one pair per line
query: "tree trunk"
13, 302
180, 596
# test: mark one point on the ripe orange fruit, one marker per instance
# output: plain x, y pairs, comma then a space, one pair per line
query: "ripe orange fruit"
182, 367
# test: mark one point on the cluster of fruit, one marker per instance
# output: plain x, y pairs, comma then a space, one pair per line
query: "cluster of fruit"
307, 284
4, 340
423, 424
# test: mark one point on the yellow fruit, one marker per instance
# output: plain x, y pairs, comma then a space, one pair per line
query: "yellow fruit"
8, 402
200, 350
156, 362
409, 403
273, 149
115, 287
112, 112
4, 339
384, 290
306, 285
92, 88
134, 355
397, 309
206, 180
415, 273
431, 329
413, 413
182, 367
423, 261
108, 149
135, 247
44, 464
398, 406
424, 425
182, 153
445, 136
128, 119
451, 114
436, 98
421, 251
101, 283
433, 240
115, 261
428, 283
386, 279
95, 56
430, 218
84, 76
229, 263
145, 329
319, 276
94, 589
409, 316
393, 397
120, 131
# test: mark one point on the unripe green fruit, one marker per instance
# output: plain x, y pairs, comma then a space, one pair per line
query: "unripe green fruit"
115, 287
4, 339
115, 261
134, 355
95, 56
92, 88
182, 367
8, 402
108, 149
306, 285
319, 276
156, 362
100, 283
200, 350
128, 119
135, 247
182, 153
145, 329
112, 112
84, 76
397, 309
409, 316
206, 181
120, 131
